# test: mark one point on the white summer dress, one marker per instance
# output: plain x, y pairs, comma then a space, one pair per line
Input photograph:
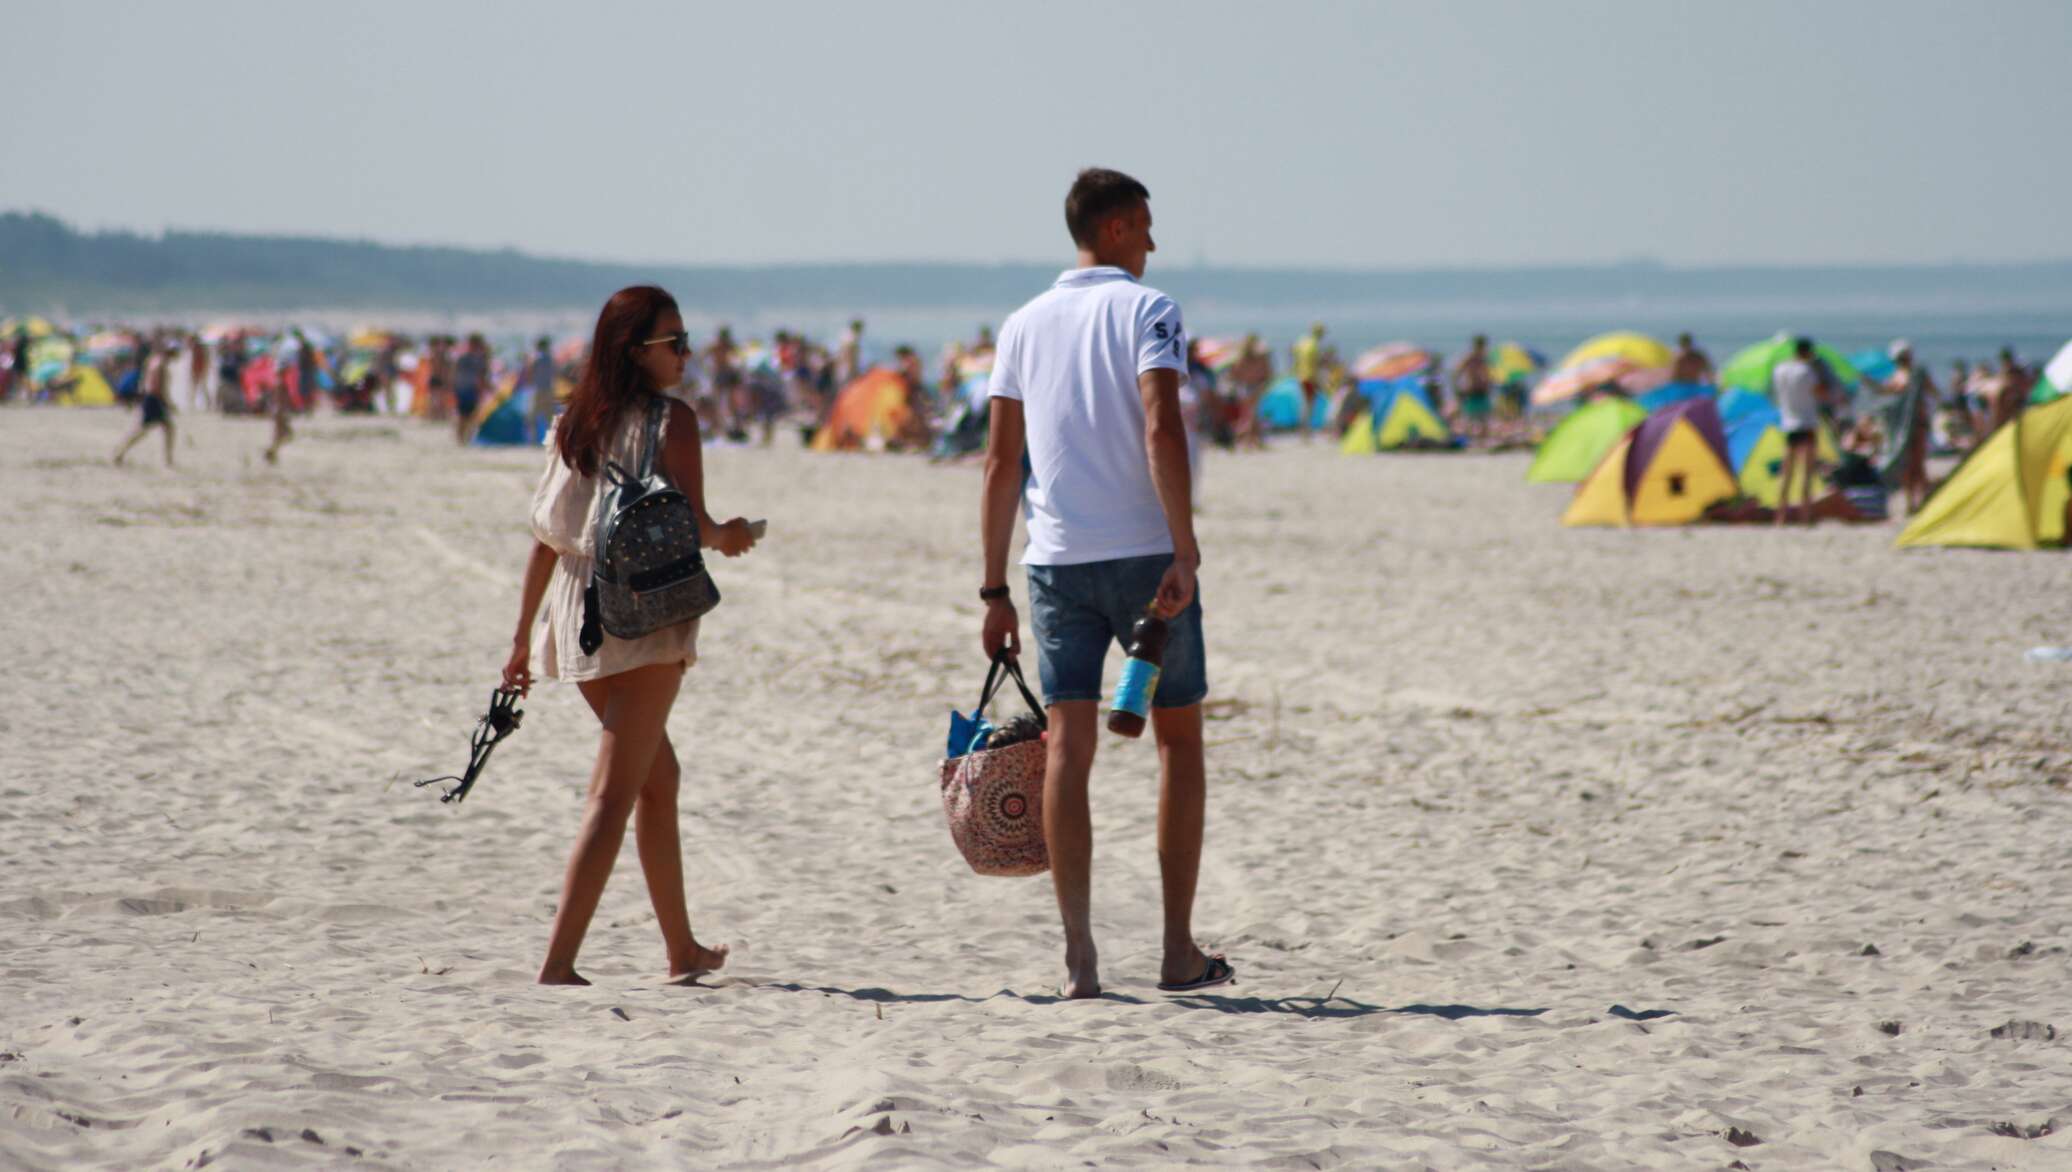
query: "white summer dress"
564, 517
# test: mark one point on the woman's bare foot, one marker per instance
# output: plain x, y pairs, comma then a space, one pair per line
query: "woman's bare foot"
702, 960
1082, 972
561, 976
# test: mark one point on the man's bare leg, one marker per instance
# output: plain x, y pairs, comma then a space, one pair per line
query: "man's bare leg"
1069, 831
1182, 805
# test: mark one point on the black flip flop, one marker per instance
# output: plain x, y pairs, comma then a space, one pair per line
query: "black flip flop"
1214, 971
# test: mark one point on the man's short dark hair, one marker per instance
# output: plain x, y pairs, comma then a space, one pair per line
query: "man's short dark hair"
1097, 194
1803, 347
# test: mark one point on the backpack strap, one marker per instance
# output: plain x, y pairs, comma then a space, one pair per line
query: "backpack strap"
652, 435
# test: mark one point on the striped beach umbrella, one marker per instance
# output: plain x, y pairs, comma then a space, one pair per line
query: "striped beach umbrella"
1392, 361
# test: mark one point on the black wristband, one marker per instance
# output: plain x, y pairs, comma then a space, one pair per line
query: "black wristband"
992, 594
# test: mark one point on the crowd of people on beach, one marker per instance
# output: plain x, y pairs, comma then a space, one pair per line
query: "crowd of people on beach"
1236, 394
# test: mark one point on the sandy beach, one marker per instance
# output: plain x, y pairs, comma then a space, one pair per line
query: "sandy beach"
1534, 847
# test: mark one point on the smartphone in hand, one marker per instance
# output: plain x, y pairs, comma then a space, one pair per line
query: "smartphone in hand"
758, 528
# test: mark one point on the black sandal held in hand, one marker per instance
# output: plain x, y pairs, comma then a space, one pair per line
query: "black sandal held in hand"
499, 722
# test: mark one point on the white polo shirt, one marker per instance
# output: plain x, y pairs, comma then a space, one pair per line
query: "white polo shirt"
1072, 357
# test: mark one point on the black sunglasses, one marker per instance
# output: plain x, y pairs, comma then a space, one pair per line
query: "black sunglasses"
679, 342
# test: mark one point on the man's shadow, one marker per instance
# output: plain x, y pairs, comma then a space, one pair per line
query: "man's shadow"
1307, 1007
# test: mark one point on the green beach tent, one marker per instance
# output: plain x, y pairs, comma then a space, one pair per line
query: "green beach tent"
1750, 369
1577, 444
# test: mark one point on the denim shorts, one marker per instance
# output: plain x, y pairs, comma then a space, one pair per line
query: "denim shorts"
1077, 611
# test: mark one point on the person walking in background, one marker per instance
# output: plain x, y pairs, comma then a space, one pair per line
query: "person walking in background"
200, 374
2011, 386
1472, 383
1690, 365
279, 400
438, 380
1249, 377
470, 383
230, 374
538, 380
153, 403
1086, 382
1306, 357
1796, 389
1907, 469
849, 356
639, 352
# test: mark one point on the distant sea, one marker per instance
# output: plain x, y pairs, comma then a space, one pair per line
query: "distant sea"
1940, 333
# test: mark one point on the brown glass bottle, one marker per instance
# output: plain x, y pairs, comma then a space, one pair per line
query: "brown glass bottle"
1140, 674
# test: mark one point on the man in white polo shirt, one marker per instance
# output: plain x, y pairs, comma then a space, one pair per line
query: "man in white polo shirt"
1086, 382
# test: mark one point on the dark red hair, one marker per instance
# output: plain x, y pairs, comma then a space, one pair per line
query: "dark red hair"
611, 380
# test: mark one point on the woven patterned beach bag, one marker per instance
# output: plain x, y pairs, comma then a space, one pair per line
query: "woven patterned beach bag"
994, 797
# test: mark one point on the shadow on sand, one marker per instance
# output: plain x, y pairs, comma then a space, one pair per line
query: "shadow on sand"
1312, 1007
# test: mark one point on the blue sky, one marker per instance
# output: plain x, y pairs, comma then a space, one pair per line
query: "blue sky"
1339, 134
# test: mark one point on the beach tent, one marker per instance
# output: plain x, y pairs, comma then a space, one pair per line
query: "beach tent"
1750, 369
2008, 494
1662, 396
1512, 363
1397, 416
1281, 409
1578, 443
1736, 403
503, 421
84, 385
2056, 382
1667, 471
1755, 448
872, 406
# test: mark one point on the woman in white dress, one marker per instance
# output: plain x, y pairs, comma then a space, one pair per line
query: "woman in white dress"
638, 352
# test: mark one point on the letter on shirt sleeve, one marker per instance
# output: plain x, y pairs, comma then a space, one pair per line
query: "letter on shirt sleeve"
1005, 382
1161, 339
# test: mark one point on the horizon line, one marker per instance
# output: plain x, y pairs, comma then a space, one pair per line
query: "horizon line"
1631, 264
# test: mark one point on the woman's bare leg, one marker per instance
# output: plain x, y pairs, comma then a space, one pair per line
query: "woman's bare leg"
634, 707
656, 836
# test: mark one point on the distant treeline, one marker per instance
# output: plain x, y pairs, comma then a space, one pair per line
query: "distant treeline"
46, 265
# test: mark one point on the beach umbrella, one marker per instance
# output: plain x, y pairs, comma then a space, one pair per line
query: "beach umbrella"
33, 326
1219, 353
1873, 364
980, 363
367, 338
217, 331
318, 338
108, 343
1392, 361
1750, 369
1591, 373
1510, 363
1639, 349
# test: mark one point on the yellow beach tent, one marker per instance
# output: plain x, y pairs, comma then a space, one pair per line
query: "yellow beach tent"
1761, 472
83, 386
2010, 493
1667, 471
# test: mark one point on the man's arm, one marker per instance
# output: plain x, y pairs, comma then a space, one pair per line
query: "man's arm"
997, 502
1165, 447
